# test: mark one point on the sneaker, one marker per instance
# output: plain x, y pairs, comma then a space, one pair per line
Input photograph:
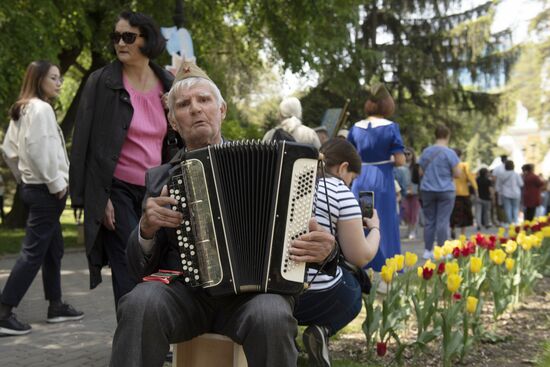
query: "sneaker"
63, 312
428, 255
315, 340
11, 326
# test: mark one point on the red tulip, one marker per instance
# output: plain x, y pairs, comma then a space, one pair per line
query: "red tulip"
441, 268
503, 240
381, 348
480, 238
457, 296
427, 273
456, 252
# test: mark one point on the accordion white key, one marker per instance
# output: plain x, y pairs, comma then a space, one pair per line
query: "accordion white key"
242, 204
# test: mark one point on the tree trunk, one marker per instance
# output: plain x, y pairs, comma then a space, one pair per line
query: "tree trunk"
17, 217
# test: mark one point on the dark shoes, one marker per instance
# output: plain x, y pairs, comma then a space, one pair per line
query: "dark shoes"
315, 340
11, 326
63, 312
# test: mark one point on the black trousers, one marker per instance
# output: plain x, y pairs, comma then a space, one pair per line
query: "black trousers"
127, 200
42, 247
530, 213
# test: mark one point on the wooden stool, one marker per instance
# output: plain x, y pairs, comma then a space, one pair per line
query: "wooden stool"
209, 350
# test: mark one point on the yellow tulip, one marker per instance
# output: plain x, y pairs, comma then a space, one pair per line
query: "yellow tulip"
453, 282
501, 231
420, 272
471, 304
410, 258
475, 264
391, 264
509, 263
429, 264
497, 256
521, 237
438, 252
399, 262
452, 268
462, 238
448, 248
510, 246
386, 274
537, 239
526, 244
546, 232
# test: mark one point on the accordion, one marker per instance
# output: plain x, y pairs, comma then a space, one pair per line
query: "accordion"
242, 205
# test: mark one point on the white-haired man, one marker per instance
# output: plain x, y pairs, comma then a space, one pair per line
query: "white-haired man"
154, 315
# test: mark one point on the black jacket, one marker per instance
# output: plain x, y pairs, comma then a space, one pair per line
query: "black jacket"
102, 122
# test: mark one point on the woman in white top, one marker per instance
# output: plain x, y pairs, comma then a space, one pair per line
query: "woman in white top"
35, 141
332, 301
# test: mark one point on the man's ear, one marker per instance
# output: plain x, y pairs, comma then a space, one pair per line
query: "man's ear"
172, 122
223, 110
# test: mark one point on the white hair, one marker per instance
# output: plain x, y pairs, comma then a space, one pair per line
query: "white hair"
290, 107
186, 84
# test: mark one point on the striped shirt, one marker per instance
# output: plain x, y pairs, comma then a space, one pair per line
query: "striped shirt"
343, 206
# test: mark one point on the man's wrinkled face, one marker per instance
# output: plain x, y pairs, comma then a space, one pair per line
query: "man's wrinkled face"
198, 117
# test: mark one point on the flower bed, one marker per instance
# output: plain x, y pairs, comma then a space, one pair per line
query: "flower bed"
444, 298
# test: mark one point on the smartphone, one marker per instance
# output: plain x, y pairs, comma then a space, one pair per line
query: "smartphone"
366, 202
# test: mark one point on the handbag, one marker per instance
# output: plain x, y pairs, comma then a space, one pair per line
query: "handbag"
359, 273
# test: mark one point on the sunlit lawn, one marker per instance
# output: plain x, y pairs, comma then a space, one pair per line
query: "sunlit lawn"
10, 239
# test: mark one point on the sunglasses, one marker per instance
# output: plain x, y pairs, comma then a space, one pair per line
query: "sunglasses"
127, 37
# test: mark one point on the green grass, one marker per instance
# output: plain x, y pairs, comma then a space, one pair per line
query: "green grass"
10, 239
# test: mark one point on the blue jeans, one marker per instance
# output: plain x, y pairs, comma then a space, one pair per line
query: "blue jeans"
511, 208
334, 308
437, 208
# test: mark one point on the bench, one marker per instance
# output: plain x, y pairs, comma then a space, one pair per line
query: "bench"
209, 350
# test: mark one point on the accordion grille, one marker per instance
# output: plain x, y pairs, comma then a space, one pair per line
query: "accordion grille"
247, 190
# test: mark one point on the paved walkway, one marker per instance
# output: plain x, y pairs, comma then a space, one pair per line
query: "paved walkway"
82, 343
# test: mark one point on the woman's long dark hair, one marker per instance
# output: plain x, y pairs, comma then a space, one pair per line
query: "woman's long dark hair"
31, 87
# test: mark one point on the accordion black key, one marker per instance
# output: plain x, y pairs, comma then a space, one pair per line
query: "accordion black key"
242, 205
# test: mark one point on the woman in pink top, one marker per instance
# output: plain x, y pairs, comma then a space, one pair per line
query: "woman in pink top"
121, 131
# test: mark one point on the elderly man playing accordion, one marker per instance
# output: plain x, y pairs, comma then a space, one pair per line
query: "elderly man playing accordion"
154, 314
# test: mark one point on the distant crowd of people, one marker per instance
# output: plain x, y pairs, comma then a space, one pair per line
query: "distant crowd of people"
482, 199
135, 123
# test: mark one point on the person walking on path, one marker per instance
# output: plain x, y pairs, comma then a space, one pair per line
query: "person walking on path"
410, 202
510, 184
36, 141
532, 191
121, 131
484, 199
2, 192
438, 166
462, 215
378, 141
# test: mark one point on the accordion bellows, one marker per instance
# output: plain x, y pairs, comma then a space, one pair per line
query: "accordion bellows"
242, 204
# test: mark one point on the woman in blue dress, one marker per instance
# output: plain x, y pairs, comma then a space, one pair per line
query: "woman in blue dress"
380, 146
